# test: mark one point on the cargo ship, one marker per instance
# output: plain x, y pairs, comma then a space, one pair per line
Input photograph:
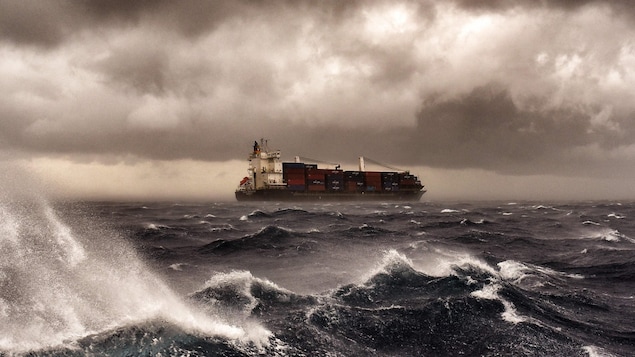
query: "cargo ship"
270, 179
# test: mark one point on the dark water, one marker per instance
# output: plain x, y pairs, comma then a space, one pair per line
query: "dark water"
372, 279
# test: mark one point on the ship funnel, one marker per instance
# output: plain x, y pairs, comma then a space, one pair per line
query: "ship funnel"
362, 166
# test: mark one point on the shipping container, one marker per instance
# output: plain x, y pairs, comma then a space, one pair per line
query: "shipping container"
315, 176
375, 183
335, 177
293, 182
410, 182
294, 174
295, 177
353, 173
293, 170
354, 186
390, 186
293, 165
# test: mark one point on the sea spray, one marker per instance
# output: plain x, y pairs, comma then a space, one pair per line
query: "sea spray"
57, 286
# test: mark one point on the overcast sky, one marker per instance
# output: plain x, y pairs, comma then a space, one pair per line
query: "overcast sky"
481, 98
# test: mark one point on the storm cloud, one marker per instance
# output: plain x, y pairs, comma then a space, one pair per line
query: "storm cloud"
514, 87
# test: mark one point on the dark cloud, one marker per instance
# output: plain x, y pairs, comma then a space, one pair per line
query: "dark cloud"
33, 22
145, 70
404, 83
563, 4
486, 129
47, 24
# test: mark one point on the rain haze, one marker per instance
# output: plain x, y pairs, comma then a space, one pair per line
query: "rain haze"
162, 100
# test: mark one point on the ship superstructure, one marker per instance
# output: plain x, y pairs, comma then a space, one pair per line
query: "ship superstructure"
269, 179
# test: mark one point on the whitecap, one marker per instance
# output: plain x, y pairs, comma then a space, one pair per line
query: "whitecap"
448, 210
594, 351
177, 266
337, 214
490, 292
224, 228
542, 207
512, 270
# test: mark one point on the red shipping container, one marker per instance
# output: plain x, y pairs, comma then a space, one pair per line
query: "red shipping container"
352, 187
315, 176
295, 176
294, 182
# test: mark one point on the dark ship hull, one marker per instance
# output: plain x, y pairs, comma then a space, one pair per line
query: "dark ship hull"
286, 195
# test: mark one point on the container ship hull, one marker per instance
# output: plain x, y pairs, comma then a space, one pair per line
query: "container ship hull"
286, 195
269, 179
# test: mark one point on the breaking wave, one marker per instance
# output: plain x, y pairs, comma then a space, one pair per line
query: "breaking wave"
60, 289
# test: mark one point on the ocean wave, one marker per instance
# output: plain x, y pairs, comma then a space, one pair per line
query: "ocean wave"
222, 228
290, 211
365, 230
156, 226
399, 309
468, 222
268, 238
610, 235
240, 292
158, 337
449, 210
490, 292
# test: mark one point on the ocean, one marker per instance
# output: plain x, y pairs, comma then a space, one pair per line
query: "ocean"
317, 279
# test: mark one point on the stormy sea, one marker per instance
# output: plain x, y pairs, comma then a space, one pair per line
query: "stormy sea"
317, 279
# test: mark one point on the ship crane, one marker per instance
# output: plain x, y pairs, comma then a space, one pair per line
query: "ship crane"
300, 158
381, 164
